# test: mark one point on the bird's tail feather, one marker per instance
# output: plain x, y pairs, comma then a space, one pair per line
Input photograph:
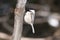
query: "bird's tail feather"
33, 30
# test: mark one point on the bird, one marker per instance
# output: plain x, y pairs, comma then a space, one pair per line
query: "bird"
53, 20
29, 18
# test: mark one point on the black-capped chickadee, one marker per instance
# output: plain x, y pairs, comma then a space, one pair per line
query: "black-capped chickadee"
29, 18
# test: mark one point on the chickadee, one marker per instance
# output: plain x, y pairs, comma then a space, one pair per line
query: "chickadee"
53, 20
29, 18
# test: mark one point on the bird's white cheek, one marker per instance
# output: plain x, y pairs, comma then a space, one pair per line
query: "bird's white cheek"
53, 22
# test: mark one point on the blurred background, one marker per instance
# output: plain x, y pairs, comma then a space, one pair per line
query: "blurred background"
42, 28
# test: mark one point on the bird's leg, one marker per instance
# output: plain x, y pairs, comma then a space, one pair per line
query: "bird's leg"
33, 30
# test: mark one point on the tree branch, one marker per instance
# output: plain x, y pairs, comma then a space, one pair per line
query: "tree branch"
18, 23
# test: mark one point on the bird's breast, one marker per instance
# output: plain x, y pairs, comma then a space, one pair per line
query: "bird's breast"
27, 19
